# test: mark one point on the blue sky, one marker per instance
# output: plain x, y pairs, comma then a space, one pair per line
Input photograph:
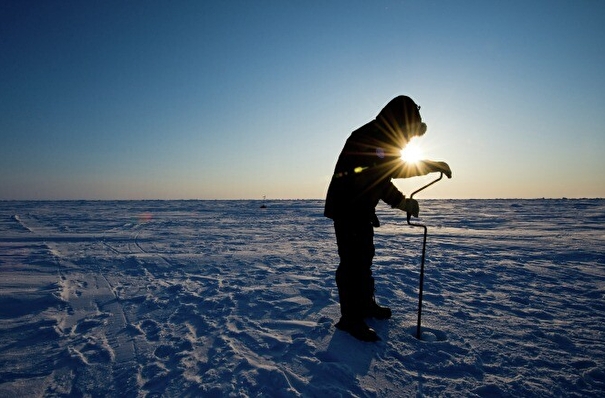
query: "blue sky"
242, 99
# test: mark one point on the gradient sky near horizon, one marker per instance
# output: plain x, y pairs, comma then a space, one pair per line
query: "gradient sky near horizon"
245, 99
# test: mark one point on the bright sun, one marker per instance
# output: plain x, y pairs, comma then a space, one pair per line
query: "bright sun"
412, 152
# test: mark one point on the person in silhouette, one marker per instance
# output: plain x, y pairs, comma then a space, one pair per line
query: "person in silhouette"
371, 157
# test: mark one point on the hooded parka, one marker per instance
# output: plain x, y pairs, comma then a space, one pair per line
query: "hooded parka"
369, 160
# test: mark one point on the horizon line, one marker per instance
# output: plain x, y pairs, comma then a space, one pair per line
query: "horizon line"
282, 199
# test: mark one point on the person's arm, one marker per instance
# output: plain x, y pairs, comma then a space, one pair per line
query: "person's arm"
392, 196
423, 167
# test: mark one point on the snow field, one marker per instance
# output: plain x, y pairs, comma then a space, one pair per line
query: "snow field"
222, 298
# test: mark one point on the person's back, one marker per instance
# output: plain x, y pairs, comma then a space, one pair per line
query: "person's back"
359, 176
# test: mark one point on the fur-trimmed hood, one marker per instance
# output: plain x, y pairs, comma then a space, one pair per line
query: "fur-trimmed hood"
400, 120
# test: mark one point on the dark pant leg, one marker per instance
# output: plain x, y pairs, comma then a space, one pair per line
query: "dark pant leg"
355, 242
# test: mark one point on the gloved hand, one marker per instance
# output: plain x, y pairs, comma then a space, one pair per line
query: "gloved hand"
409, 206
442, 167
431, 166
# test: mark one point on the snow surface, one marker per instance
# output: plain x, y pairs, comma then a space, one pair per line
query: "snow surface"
222, 298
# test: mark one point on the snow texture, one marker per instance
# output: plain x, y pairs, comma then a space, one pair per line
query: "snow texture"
223, 298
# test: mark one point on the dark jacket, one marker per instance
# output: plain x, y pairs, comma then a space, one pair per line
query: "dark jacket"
368, 162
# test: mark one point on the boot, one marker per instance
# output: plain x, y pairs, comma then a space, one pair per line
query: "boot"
371, 308
358, 329
351, 320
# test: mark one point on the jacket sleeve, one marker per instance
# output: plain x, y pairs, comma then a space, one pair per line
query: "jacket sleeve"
391, 195
406, 170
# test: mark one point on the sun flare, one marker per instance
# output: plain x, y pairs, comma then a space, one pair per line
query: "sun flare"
412, 152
